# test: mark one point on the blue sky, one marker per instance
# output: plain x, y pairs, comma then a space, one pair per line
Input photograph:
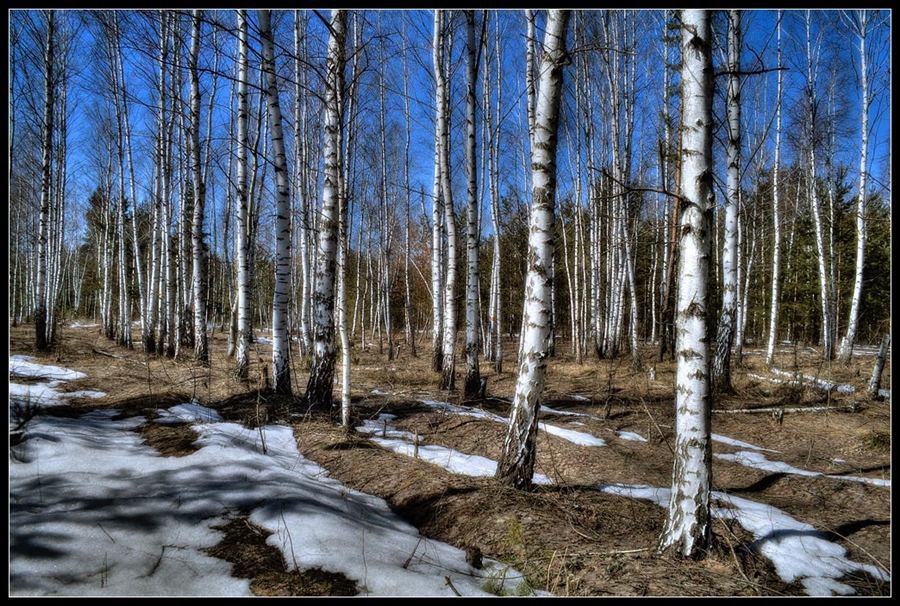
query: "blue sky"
391, 43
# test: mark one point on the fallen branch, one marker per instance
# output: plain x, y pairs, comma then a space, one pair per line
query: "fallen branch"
112, 355
778, 409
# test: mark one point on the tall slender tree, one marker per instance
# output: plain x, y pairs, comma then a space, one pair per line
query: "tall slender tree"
281, 338
41, 328
198, 239
776, 219
442, 134
244, 299
687, 527
473, 236
721, 368
320, 386
826, 285
845, 353
515, 466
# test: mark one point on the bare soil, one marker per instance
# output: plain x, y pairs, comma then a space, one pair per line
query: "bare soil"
569, 538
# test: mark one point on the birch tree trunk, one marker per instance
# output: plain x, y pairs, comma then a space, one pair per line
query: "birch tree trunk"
448, 345
198, 240
515, 466
281, 338
410, 333
244, 301
776, 219
496, 340
320, 386
845, 353
41, 329
437, 240
825, 284
875, 381
686, 531
721, 368
473, 373
300, 176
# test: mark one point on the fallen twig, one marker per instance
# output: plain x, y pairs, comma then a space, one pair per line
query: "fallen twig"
112, 355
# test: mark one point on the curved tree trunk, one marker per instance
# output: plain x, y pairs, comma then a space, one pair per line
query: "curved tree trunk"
515, 466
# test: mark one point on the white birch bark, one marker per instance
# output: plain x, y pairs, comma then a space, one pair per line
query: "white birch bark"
437, 240
473, 373
320, 386
845, 353
878, 368
687, 527
721, 368
448, 345
198, 240
281, 338
42, 341
305, 230
242, 227
138, 269
776, 219
496, 353
825, 286
410, 334
515, 466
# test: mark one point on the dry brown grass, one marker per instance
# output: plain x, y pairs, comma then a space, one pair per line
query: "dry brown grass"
569, 538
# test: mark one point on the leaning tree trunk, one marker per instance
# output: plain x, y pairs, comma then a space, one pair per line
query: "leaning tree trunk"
686, 531
515, 466
320, 386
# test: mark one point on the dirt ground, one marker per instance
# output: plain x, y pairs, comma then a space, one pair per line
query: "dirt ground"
569, 538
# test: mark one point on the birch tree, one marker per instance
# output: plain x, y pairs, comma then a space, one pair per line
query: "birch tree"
244, 300
495, 350
281, 338
198, 240
515, 466
41, 328
686, 531
437, 242
776, 219
321, 379
826, 285
721, 368
442, 142
846, 350
473, 373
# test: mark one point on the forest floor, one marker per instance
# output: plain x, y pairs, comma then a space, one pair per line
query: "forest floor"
568, 537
